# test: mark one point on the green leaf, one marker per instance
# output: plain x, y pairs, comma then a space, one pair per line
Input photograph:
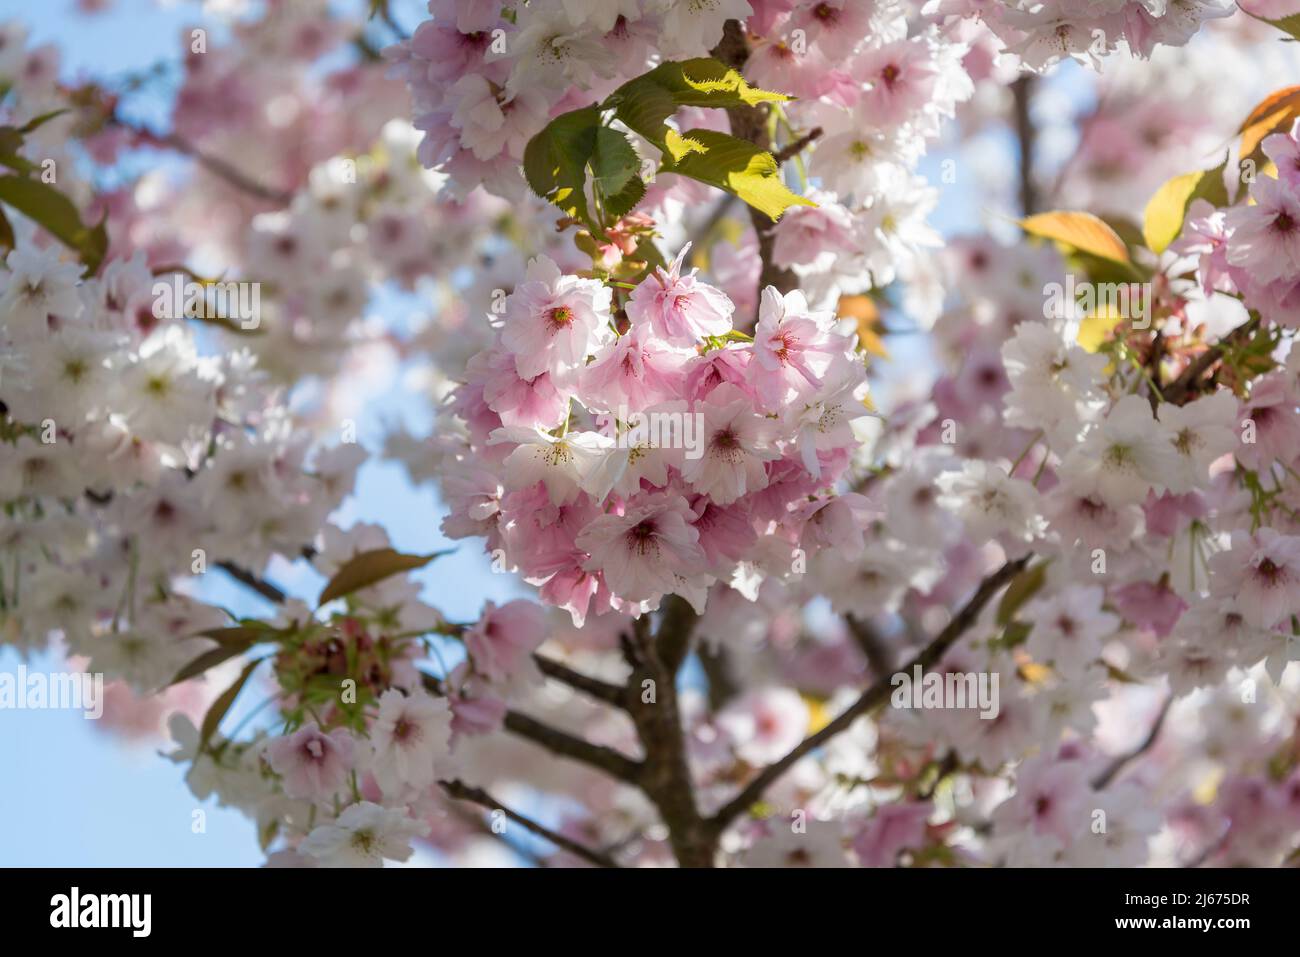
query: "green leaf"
6, 231
11, 141
647, 101
555, 160
58, 215
613, 161
735, 165
222, 705
1289, 25
210, 659
624, 201
37, 122
1022, 588
246, 634
1167, 209
614, 166
366, 568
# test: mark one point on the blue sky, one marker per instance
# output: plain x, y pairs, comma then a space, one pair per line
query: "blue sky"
71, 794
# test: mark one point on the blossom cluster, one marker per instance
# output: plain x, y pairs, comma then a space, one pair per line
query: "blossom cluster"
565, 468
1043, 32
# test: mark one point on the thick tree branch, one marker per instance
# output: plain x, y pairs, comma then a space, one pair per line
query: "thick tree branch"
717, 668
1021, 94
665, 773
750, 123
463, 792
878, 654
876, 695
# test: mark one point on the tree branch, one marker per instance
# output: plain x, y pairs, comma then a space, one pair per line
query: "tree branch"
600, 690
665, 774
617, 765
213, 164
1021, 93
876, 695
1124, 760
793, 149
260, 585
463, 792
1181, 388
750, 123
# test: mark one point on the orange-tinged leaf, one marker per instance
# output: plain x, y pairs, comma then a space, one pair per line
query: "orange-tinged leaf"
1082, 231
1267, 116
864, 310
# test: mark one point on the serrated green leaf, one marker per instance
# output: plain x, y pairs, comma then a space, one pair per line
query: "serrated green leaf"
613, 161
705, 81
555, 160
625, 200
1289, 25
368, 568
736, 166
645, 102
57, 214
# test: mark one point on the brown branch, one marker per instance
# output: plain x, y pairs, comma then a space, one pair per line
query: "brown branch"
213, 164
270, 592
750, 123
600, 690
793, 149
598, 756
665, 774
876, 695
717, 668
1181, 388
878, 654
463, 792
1124, 760
614, 763
1021, 93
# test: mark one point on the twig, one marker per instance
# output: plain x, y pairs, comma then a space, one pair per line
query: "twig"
1180, 388
791, 150
214, 164
1124, 760
260, 585
600, 690
461, 791
613, 763
873, 697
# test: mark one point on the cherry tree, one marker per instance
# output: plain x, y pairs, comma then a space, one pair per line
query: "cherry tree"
832, 539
